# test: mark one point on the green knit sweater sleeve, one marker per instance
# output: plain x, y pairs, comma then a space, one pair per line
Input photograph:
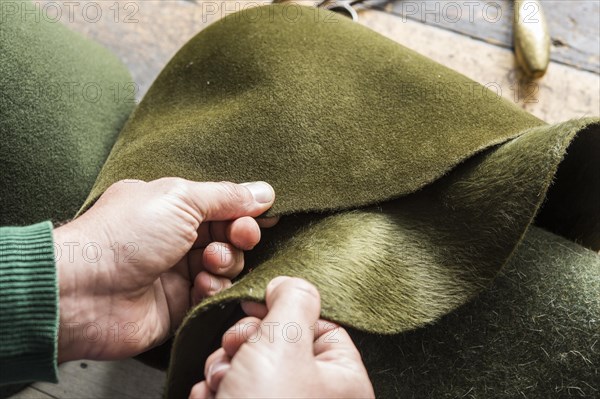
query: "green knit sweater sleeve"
28, 304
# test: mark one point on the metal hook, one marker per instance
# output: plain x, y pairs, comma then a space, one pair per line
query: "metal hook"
343, 7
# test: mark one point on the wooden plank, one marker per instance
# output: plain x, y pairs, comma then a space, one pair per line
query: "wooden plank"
31, 393
146, 37
563, 93
143, 34
89, 379
146, 34
574, 25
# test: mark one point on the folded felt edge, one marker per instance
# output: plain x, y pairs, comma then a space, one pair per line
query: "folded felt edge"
228, 301
100, 186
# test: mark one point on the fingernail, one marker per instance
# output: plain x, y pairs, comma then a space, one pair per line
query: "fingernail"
261, 191
214, 369
215, 284
276, 281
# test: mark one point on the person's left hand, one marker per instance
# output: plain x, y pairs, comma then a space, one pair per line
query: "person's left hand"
283, 350
131, 266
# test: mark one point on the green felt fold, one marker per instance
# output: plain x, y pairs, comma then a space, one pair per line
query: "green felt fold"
406, 186
331, 113
63, 100
533, 333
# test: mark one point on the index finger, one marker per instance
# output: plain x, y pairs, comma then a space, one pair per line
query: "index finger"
293, 307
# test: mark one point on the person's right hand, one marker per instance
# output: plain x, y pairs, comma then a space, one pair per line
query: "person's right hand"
284, 350
156, 248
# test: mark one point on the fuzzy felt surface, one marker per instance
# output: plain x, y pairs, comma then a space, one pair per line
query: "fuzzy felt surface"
533, 333
405, 186
333, 114
402, 264
63, 100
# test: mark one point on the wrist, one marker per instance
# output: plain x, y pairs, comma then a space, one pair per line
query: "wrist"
75, 285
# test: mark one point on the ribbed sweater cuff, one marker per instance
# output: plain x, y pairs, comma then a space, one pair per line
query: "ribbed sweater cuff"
28, 304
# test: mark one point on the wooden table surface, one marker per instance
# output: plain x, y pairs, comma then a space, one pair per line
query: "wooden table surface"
473, 38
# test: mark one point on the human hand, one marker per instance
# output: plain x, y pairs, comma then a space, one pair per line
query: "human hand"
130, 267
283, 350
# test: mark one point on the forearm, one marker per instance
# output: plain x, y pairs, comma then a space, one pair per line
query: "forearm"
28, 304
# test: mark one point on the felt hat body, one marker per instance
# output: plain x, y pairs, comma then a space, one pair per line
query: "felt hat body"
404, 190
59, 116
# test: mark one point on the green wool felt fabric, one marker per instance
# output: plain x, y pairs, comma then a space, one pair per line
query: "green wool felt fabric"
406, 187
533, 333
63, 100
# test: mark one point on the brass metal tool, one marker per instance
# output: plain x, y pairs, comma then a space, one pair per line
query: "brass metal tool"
531, 38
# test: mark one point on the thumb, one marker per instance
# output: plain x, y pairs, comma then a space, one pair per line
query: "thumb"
293, 307
226, 201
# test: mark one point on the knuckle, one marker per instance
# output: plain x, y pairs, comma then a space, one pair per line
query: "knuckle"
197, 391
178, 183
236, 192
123, 185
189, 232
303, 289
177, 186
162, 181
238, 264
115, 186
